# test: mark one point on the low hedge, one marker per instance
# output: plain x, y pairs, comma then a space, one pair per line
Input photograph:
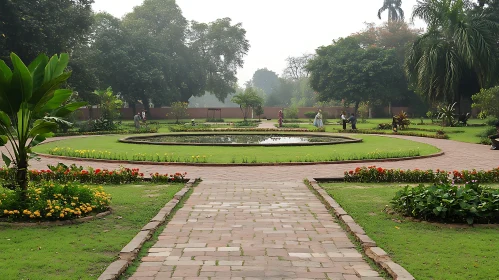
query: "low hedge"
121, 131
470, 203
406, 133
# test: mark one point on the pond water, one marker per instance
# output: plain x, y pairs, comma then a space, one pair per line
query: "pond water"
267, 139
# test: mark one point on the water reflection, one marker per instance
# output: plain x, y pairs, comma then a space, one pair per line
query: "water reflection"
242, 139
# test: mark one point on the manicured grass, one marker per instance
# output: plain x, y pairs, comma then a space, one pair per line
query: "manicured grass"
426, 251
371, 145
81, 251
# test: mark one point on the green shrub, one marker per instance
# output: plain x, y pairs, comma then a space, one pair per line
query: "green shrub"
310, 114
484, 139
214, 120
491, 121
446, 202
385, 126
291, 113
53, 201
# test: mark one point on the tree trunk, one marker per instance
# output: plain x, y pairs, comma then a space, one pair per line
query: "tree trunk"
356, 108
22, 177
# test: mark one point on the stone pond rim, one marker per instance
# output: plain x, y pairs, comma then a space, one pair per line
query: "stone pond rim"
139, 139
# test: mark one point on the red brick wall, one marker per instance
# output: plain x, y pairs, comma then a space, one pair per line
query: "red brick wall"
202, 113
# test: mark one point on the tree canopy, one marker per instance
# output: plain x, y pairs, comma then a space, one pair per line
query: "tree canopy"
49, 26
347, 71
459, 50
266, 80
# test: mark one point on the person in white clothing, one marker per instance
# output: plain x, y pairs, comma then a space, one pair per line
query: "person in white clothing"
344, 120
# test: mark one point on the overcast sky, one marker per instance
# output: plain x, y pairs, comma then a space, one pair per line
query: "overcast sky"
277, 29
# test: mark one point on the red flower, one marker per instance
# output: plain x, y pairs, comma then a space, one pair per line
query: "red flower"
97, 171
351, 172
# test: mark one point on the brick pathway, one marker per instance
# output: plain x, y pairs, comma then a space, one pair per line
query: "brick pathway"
253, 230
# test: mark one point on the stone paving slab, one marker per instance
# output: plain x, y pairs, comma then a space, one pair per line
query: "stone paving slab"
253, 230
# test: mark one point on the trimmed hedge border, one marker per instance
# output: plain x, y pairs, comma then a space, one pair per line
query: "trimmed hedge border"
369, 246
131, 250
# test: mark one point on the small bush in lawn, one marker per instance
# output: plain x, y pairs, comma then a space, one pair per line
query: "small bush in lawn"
446, 202
385, 126
53, 201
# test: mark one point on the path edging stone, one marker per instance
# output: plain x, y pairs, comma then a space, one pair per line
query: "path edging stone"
131, 250
369, 246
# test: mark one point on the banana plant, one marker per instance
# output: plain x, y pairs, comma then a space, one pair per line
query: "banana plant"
32, 103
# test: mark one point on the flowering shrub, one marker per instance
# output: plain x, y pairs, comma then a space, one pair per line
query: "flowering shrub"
53, 201
446, 202
378, 174
63, 174
159, 178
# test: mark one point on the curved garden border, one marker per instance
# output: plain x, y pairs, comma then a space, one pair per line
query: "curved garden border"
132, 140
238, 164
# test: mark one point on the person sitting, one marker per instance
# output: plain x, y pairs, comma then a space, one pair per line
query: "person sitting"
353, 120
493, 139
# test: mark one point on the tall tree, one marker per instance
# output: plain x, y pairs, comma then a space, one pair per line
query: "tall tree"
459, 49
221, 47
296, 66
394, 7
46, 26
265, 80
347, 71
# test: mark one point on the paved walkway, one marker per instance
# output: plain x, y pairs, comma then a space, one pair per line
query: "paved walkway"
253, 230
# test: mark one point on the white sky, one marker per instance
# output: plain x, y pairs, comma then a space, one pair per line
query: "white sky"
277, 29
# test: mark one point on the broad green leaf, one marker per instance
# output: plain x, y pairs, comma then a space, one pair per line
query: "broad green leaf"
5, 72
3, 140
6, 160
37, 69
21, 84
66, 110
5, 120
42, 127
45, 93
60, 96
23, 120
50, 69
62, 63
37, 140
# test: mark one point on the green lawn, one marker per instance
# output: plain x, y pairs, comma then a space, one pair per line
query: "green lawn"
387, 147
426, 251
81, 251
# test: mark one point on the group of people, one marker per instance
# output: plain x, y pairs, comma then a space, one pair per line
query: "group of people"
352, 120
138, 118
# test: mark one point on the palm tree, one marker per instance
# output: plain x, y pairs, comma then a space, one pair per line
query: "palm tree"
459, 44
394, 8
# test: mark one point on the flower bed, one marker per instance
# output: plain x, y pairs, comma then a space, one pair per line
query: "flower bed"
201, 129
53, 201
63, 174
470, 203
378, 174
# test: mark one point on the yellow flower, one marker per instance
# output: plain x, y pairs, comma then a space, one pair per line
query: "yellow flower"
49, 214
5, 211
61, 215
89, 209
57, 207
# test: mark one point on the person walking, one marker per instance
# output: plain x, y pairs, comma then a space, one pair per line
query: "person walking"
280, 116
136, 121
344, 120
353, 121
318, 119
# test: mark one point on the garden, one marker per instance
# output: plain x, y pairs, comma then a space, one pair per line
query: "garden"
424, 224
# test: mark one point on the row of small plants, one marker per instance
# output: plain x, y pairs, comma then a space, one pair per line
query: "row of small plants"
174, 158
120, 131
455, 196
49, 200
67, 174
389, 126
183, 128
375, 174
438, 135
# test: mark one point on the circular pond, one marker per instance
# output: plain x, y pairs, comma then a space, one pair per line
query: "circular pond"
239, 139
